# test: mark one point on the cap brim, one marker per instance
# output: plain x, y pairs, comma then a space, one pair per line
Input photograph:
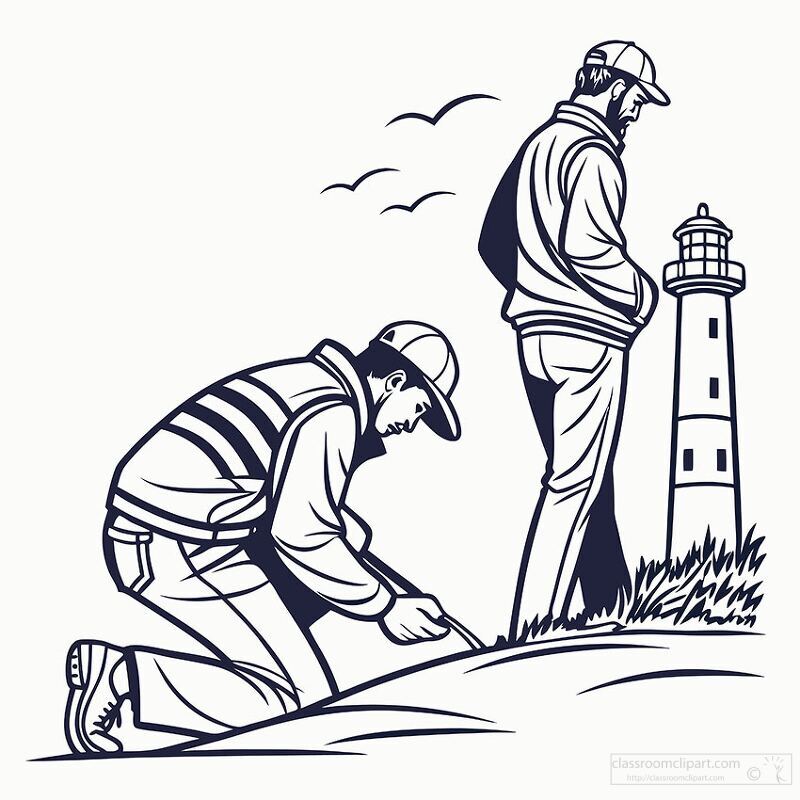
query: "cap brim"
656, 95
441, 417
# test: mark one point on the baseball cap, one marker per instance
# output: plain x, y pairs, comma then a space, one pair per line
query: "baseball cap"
632, 60
430, 352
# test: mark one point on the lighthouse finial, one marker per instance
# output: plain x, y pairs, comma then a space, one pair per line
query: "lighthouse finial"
702, 210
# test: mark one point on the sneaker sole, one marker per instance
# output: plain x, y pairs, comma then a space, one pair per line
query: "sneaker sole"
82, 680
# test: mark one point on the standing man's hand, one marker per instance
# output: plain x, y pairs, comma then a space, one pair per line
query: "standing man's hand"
414, 619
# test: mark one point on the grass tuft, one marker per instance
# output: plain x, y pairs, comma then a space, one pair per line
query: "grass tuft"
710, 585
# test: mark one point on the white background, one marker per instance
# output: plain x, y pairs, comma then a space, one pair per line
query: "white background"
162, 226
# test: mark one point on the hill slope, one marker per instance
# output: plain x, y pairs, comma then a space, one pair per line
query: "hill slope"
535, 689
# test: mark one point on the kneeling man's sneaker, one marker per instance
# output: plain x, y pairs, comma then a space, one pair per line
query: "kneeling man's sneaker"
94, 701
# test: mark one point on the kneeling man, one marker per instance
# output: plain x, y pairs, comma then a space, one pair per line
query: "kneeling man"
229, 519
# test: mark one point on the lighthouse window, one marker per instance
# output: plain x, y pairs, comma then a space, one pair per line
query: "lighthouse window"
722, 460
688, 459
713, 388
713, 328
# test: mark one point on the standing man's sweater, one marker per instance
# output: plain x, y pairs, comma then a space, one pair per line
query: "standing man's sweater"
552, 235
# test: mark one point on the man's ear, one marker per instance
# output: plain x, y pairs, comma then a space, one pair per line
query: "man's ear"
395, 381
618, 89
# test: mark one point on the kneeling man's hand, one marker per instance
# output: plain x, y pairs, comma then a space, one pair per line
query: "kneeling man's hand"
414, 619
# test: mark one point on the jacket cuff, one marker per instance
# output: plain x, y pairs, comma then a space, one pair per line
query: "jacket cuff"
378, 605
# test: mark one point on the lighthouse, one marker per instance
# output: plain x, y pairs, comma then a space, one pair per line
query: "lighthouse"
704, 491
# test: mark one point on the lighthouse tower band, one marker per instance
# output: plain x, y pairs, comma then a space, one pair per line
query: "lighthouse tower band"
704, 491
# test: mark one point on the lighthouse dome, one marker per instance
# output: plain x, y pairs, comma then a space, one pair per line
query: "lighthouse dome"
702, 222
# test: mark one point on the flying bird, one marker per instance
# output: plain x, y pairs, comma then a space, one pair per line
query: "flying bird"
416, 203
443, 110
358, 181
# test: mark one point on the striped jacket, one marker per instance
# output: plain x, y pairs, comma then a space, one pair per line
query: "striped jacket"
274, 447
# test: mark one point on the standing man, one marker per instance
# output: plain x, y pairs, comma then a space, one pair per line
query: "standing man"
577, 300
229, 519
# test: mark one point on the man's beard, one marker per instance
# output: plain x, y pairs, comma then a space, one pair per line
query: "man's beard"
617, 125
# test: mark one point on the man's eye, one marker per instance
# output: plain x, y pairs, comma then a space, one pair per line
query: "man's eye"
419, 409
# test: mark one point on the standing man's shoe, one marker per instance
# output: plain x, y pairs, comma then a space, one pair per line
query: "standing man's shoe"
98, 682
612, 626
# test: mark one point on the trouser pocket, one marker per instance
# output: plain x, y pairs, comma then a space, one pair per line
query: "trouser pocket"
127, 550
571, 354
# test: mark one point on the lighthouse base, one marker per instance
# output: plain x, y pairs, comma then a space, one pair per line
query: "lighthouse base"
697, 510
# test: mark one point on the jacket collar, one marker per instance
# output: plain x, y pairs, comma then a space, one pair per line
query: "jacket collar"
588, 118
338, 361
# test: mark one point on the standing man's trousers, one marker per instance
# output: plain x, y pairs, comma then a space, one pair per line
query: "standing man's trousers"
263, 663
576, 388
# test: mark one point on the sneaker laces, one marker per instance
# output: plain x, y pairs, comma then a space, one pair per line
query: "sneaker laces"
111, 714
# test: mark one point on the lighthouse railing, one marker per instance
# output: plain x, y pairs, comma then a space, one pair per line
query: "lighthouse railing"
732, 270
